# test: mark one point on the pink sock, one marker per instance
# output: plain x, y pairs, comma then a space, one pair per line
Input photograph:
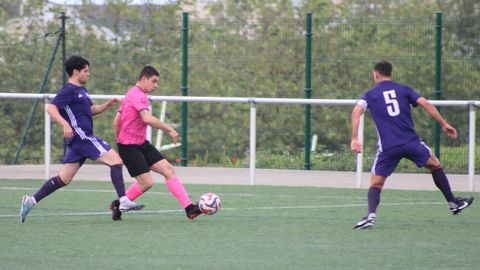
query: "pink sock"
177, 190
134, 191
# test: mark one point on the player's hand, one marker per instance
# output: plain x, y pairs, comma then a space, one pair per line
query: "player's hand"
450, 131
356, 146
174, 134
113, 101
67, 131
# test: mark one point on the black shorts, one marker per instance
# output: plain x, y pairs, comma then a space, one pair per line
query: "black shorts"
139, 158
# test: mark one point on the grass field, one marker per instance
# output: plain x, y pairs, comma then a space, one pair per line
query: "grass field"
258, 227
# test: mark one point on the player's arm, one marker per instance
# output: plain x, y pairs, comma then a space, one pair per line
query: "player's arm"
154, 122
355, 144
116, 124
432, 111
96, 109
52, 110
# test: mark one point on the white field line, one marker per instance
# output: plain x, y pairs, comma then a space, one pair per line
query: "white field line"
168, 193
225, 209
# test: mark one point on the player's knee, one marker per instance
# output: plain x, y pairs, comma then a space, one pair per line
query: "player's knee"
117, 161
65, 179
148, 184
433, 164
433, 167
169, 172
376, 185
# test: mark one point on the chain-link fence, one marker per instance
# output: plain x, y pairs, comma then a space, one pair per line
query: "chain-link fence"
256, 58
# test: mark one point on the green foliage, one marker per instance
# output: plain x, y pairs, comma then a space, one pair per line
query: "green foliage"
245, 48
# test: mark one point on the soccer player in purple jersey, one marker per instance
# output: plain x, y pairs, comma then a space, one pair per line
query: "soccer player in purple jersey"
389, 103
73, 109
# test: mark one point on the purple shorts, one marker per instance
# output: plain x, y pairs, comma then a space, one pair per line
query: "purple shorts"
386, 161
91, 147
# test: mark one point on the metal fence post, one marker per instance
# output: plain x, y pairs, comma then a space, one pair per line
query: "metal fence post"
438, 76
308, 89
184, 158
63, 35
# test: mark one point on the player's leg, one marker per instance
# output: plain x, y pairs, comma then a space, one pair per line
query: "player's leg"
422, 156
373, 200
176, 187
143, 183
138, 168
383, 165
72, 162
97, 149
113, 160
456, 204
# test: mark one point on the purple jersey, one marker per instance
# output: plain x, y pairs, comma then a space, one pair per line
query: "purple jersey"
389, 103
74, 105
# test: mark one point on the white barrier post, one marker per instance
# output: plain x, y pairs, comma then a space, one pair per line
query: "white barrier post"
360, 155
47, 140
471, 146
253, 141
163, 112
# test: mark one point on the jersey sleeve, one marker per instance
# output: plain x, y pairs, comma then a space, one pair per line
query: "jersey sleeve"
412, 96
362, 102
63, 98
140, 103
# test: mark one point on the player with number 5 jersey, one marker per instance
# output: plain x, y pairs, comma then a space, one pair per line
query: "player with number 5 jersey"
390, 106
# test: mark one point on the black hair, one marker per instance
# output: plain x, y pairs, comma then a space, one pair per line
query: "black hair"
75, 62
384, 68
148, 71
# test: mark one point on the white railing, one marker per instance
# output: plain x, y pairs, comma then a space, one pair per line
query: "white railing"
471, 105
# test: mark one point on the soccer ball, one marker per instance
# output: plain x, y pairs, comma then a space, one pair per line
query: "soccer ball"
209, 203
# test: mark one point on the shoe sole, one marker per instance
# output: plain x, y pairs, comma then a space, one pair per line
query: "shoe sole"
366, 226
135, 208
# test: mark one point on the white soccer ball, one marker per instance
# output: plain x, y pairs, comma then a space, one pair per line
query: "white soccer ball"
209, 203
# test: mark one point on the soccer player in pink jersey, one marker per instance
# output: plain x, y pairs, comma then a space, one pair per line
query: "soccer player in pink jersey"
138, 154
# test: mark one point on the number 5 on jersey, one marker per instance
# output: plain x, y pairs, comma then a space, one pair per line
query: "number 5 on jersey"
392, 104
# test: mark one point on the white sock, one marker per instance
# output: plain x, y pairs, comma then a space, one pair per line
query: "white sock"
124, 199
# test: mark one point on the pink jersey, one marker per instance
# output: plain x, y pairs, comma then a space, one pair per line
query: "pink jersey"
132, 128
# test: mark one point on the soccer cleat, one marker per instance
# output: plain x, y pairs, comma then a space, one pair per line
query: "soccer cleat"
115, 208
128, 205
463, 203
193, 211
365, 223
27, 204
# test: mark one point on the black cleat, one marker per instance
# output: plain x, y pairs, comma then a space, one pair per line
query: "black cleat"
115, 208
365, 223
193, 211
463, 203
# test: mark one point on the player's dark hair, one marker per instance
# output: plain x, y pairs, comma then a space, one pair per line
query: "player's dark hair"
75, 62
148, 71
384, 68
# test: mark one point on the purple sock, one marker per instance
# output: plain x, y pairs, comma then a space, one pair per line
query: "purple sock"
373, 199
117, 179
48, 188
441, 182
